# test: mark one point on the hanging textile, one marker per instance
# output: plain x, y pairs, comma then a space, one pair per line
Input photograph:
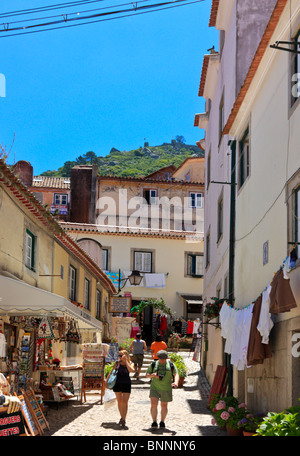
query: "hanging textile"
190, 328
281, 295
45, 330
184, 326
2, 345
265, 323
177, 325
241, 337
257, 351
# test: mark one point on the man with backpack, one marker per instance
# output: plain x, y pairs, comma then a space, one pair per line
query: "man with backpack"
138, 347
164, 376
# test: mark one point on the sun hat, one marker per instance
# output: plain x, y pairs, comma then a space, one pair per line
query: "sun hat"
162, 354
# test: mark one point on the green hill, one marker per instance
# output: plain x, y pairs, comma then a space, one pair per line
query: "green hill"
138, 162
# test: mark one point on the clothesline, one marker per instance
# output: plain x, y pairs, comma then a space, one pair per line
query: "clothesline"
286, 267
247, 331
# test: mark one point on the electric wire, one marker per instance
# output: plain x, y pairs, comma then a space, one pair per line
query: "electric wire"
72, 14
48, 8
161, 8
65, 19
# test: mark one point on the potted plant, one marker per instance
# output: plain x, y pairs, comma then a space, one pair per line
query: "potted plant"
181, 367
228, 412
212, 310
250, 423
125, 345
286, 423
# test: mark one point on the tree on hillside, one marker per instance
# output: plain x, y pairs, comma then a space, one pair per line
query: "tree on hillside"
180, 139
91, 157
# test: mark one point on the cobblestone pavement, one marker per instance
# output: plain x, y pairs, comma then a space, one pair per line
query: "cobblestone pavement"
188, 414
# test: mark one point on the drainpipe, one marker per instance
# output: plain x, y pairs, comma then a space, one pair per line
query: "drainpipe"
232, 145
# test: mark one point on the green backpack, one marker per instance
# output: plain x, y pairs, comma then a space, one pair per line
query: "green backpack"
153, 364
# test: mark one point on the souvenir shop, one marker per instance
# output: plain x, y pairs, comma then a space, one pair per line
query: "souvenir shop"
41, 344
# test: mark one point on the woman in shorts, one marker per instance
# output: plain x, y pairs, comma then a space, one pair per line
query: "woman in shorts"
122, 386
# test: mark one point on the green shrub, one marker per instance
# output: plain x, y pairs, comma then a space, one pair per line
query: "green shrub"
179, 363
286, 423
108, 367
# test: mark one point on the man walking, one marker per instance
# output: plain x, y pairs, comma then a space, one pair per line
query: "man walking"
162, 380
137, 347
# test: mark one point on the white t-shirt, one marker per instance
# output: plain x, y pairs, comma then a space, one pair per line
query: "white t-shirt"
265, 323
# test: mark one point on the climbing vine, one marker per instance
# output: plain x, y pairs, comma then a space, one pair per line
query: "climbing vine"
155, 303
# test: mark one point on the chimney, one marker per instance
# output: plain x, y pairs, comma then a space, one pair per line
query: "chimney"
24, 171
83, 193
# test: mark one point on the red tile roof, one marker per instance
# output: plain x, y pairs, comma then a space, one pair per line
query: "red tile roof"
132, 232
153, 181
51, 182
203, 75
264, 43
214, 12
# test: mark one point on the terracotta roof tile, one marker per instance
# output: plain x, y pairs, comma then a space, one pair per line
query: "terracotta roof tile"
51, 182
203, 75
214, 13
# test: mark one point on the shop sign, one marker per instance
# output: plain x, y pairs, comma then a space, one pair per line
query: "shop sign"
62, 209
11, 425
85, 315
120, 304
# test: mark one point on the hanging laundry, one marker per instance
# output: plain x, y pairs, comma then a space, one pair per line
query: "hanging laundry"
281, 295
155, 280
265, 323
241, 337
231, 323
257, 351
224, 315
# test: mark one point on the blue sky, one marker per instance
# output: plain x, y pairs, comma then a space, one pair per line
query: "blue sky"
111, 84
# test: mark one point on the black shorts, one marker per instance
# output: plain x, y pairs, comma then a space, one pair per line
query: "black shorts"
122, 388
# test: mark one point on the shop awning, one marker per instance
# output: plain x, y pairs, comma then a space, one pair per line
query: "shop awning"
192, 298
19, 298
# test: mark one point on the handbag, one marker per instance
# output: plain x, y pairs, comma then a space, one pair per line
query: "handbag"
112, 379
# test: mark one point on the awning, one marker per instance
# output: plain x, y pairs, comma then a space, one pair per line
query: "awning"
20, 299
192, 298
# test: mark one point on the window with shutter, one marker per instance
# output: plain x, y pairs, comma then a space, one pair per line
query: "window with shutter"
196, 199
29, 250
195, 265
72, 283
98, 304
87, 285
142, 261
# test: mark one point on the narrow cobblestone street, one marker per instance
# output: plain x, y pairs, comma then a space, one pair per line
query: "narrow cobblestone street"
188, 414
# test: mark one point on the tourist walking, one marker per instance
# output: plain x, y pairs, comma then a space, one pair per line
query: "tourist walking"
137, 347
122, 386
164, 377
157, 345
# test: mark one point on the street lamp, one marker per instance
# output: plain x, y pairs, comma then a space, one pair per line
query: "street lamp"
135, 279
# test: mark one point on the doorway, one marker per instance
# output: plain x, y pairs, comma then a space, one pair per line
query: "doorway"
146, 319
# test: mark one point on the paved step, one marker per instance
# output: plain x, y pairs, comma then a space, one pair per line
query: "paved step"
143, 382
